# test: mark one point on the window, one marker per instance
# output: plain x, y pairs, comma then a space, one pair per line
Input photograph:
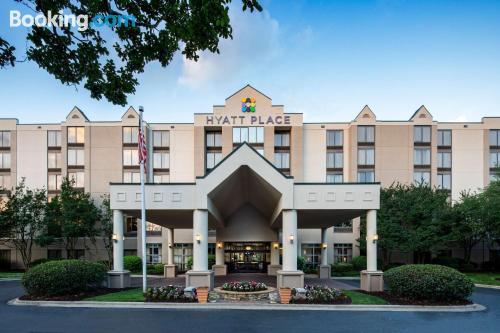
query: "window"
422, 156
444, 159
248, 134
214, 139
78, 178
366, 176
342, 252
76, 135
444, 181
161, 160
76, 157
366, 134
182, 253
130, 135
444, 138
495, 137
211, 249
422, 134
282, 160
334, 160
335, 138
161, 139
131, 177
4, 139
54, 138
282, 139
5, 182
494, 159
312, 253
422, 177
130, 224
366, 156
334, 178
4, 160
76, 254
130, 157
54, 160
54, 182
213, 159
54, 254
161, 178
153, 253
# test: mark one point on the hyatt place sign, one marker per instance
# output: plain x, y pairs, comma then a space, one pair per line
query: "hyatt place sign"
247, 120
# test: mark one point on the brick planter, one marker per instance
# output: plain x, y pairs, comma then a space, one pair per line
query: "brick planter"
244, 296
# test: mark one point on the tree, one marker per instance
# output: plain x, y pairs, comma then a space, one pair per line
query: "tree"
106, 227
108, 63
22, 220
491, 201
71, 216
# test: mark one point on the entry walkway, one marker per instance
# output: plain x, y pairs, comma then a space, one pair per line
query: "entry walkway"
258, 277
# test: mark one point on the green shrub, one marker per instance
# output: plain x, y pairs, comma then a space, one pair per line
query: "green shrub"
42, 260
342, 267
211, 260
359, 263
428, 282
155, 269
301, 263
319, 295
132, 263
447, 261
63, 277
168, 294
189, 263
392, 265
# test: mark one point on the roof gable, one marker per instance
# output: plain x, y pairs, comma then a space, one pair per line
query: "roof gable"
422, 115
76, 116
366, 115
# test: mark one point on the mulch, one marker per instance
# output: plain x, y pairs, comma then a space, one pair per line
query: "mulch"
398, 300
72, 297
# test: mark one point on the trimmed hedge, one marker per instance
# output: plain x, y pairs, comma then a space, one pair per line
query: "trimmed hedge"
132, 263
342, 267
428, 282
63, 277
155, 269
359, 263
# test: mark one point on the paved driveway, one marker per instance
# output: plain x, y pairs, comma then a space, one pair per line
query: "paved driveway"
17, 319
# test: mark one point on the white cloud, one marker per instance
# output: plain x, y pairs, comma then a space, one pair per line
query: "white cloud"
461, 118
255, 40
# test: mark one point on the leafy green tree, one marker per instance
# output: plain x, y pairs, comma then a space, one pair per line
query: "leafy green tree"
72, 215
491, 201
108, 60
22, 220
106, 228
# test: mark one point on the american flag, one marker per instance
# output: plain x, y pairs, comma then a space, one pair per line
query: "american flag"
143, 150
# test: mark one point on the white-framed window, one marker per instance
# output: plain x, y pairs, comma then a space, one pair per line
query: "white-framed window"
78, 177
366, 134
5, 181
54, 160
160, 178
444, 181
282, 160
213, 158
248, 134
444, 138
366, 176
422, 177
334, 159
444, 159
130, 134
494, 159
494, 137
312, 253
76, 157
214, 139
334, 138
366, 156
4, 160
4, 138
334, 178
161, 138
161, 160
342, 252
422, 134
131, 177
282, 139
76, 134
54, 138
130, 157
182, 253
422, 156
54, 182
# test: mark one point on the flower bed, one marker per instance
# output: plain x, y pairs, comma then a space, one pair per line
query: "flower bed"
318, 295
244, 286
168, 294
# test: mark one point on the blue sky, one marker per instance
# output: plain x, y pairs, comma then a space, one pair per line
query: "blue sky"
326, 59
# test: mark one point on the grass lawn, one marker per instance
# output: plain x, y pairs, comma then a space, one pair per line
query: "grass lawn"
130, 295
360, 298
485, 278
11, 275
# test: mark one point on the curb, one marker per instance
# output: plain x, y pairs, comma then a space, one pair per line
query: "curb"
487, 286
232, 306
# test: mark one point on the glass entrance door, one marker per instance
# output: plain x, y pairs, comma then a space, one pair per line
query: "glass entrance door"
247, 257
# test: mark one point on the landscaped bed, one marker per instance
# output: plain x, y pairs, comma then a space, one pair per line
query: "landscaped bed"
319, 295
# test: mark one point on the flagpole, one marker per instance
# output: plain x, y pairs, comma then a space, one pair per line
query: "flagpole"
143, 210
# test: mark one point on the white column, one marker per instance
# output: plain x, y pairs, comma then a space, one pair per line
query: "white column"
289, 240
324, 247
117, 240
371, 244
200, 240
170, 244
219, 253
